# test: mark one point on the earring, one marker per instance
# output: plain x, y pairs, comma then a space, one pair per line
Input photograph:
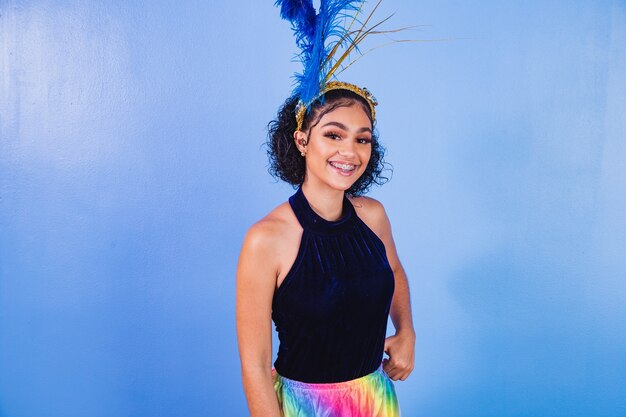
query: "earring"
302, 153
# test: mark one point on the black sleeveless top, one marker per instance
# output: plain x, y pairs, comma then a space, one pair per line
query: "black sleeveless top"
331, 309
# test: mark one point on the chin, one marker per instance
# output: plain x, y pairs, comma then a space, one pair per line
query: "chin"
343, 185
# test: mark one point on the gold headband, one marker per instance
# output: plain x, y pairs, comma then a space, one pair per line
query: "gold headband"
337, 85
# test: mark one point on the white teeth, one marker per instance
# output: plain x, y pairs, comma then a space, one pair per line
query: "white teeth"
345, 167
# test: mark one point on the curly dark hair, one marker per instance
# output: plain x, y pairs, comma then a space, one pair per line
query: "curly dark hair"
287, 164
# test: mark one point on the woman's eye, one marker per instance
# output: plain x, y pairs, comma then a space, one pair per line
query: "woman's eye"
333, 136
364, 140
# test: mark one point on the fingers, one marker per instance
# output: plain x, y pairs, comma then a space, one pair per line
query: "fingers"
399, 365
397, 370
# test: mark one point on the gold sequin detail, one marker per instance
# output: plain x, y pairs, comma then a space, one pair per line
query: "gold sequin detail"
337, 85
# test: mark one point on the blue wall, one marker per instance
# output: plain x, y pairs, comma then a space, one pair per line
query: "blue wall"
131, 166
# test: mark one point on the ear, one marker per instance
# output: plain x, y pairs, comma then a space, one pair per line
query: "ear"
301, 139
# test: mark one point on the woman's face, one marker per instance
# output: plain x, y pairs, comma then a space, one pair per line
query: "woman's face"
338, 147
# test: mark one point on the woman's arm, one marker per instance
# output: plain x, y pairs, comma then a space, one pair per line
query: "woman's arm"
256, 280
401, 346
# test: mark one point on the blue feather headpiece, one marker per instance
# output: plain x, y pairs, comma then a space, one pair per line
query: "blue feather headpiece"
325, 44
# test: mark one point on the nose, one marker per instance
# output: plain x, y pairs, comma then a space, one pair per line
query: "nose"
346, 148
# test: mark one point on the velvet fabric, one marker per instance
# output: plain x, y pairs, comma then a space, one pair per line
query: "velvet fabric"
332, 308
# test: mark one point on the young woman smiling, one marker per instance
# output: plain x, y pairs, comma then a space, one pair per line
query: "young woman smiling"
323, 266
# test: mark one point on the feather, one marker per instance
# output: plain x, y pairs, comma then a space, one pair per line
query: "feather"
324, 43
301, 14
313, 32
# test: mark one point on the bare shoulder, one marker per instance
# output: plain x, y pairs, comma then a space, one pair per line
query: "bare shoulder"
372, 212
269, 241
267, 234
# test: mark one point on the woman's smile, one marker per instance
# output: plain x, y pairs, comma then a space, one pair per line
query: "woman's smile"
346, 169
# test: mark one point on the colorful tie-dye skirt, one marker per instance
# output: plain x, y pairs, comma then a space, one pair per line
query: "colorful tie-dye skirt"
372, 395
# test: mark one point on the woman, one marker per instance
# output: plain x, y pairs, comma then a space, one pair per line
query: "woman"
323, 266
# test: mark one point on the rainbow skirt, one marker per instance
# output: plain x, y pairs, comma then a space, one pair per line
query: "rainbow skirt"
372, 395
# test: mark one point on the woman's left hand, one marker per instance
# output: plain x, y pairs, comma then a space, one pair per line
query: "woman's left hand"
401, 350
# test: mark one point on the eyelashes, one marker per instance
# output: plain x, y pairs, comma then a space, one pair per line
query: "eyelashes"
337, 136
332, 135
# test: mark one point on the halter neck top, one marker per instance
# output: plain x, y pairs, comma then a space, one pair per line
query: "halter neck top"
331, 309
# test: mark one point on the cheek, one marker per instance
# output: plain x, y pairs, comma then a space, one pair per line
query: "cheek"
365, 155
324, 151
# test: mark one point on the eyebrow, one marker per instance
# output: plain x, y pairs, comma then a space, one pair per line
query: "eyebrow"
342, 126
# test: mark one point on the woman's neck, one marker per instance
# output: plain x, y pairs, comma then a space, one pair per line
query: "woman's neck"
325, 201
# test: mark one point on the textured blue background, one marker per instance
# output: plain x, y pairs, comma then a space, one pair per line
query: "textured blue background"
131, 166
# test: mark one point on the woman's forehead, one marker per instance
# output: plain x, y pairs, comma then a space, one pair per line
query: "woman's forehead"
349, 114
